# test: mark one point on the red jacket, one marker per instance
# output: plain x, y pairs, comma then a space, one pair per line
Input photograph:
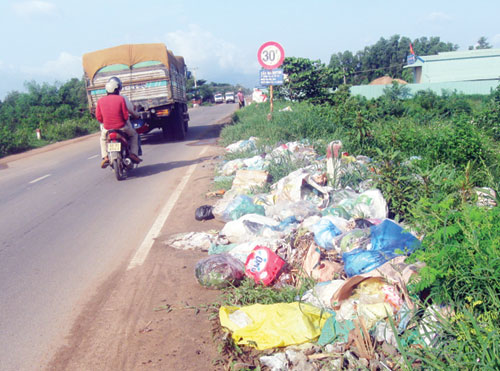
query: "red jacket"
112, 111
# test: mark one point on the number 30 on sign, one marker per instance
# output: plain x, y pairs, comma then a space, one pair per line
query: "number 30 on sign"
271, 55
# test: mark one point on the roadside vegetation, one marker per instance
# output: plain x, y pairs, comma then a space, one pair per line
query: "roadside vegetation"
430, 153
59, 111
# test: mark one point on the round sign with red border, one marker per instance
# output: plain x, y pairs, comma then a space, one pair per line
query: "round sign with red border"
271, 55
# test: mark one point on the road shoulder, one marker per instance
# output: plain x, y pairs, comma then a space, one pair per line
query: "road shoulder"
153, 316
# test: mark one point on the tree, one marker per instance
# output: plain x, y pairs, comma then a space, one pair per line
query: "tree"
205, 92
308, 80
385, 57
482, 43
432, 46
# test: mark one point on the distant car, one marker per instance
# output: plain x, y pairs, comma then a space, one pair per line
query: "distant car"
218, 98
230, 97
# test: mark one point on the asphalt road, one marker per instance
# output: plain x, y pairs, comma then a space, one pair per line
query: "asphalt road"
66, 225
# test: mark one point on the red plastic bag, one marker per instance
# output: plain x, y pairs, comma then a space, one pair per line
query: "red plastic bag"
263, 265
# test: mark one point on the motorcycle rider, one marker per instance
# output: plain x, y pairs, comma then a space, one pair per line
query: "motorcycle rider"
113, 113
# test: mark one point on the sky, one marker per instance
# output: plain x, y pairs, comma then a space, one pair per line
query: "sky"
44, 40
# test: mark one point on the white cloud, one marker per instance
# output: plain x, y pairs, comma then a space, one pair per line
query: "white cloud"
64, 67
438, 16
34, 7
202, 50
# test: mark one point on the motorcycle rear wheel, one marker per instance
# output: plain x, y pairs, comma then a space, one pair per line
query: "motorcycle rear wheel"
118, 169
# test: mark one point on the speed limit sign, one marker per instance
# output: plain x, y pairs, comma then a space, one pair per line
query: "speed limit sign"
271, 55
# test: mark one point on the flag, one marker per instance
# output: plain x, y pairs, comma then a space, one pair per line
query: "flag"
411, 49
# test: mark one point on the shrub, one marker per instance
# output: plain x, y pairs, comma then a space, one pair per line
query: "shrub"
462, 254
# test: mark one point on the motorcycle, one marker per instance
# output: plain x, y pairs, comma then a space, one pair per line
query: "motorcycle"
118, 148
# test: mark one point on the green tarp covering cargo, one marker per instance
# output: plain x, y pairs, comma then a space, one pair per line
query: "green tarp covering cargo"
153, 78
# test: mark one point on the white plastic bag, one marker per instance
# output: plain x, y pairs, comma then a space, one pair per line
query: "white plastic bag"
248, 180
367, 205
321, 294
249, 227
231, 167
370, 205
298, 186
302, 209
192, 241
256, 163
222, 204
242, 145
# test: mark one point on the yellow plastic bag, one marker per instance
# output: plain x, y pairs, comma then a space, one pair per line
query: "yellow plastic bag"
273, 325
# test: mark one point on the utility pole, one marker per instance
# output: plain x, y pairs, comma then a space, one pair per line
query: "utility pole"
193, 69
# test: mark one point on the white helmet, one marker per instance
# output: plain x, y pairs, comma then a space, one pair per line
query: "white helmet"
114, 85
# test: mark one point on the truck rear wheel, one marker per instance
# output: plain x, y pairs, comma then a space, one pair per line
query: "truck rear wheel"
177, 124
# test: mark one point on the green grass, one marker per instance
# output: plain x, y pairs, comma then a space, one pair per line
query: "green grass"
248, 293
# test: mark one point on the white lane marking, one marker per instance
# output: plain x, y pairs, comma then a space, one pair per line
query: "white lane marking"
91, 157
41, 178
142, 252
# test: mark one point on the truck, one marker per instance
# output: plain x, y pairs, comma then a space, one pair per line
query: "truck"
229, 97
153, 79
218, 98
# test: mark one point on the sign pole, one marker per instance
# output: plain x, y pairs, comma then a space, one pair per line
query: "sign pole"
271, 96
271, 55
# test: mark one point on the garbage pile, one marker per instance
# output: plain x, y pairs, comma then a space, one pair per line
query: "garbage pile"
309, 226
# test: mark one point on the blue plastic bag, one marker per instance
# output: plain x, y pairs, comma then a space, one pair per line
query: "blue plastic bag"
324, 232
288, 222
388, 240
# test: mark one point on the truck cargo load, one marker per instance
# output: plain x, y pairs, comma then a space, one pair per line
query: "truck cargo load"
153, 79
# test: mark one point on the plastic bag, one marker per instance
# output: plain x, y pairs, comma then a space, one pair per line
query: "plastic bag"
204, 213
321, 294
249, 227
388, 240
263, 265
351, 240
219, 249
240, 206
301, 210
341, 223
324, 232
219, 271
237, 202
242, 250
369, 204
231, 167
275, 362
273, 325
222, 204
192, 241
336, 211
297, 186
334, 331
242, 145
256, 163
248, 180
